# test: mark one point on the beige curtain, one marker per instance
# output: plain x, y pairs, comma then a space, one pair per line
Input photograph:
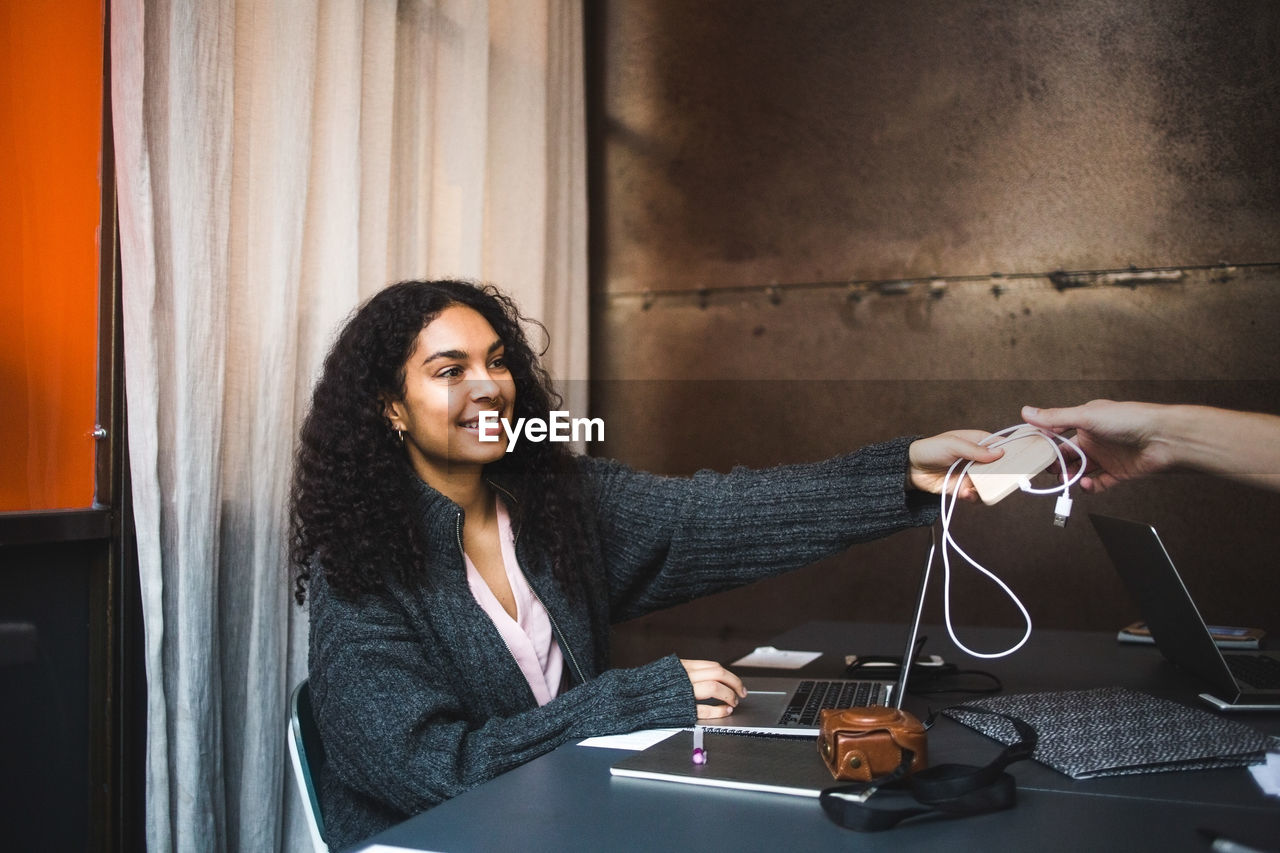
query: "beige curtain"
278, 162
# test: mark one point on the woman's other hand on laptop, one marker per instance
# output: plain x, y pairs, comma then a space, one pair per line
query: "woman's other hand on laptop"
716, 690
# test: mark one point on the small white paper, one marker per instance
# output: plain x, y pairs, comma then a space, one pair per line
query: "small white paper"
1267, 774
768, 656
634, 741
1268, 781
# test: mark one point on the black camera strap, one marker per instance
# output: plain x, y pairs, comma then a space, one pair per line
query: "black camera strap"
952, 790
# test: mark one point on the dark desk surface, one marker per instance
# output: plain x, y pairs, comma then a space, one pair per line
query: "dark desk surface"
567, 800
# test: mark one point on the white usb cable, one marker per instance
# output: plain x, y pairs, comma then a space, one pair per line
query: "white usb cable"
1062, 510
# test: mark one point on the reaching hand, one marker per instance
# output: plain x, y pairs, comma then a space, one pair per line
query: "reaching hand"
932, 457
712, 681
1120, 439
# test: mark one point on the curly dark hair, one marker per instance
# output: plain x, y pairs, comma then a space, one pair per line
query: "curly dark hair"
352, 485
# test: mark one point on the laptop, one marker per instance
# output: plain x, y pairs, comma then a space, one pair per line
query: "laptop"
789, 707
1239, 680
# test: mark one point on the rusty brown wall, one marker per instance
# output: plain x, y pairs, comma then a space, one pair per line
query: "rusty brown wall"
818, 224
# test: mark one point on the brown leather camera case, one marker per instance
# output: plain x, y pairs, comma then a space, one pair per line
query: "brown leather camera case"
861, 744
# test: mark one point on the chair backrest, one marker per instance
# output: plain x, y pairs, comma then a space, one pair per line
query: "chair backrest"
307, 754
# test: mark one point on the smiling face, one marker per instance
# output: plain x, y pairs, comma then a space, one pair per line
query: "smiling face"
457, 370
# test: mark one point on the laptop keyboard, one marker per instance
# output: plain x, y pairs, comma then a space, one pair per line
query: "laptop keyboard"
1258, 671
812, 696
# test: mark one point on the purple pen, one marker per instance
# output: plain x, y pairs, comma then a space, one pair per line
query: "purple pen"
699, 754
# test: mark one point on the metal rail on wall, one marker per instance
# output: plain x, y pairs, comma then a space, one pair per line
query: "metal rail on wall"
936, 286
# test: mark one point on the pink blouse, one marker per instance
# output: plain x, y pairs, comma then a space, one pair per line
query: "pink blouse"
529, 635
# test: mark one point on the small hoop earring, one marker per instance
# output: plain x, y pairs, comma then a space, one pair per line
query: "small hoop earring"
400, 435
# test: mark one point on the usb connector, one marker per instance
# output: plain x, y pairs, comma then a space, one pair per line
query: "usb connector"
1062, 511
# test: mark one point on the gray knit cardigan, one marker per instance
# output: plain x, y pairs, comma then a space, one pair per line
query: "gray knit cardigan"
417, 698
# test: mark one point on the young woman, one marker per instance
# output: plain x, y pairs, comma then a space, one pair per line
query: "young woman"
461, 595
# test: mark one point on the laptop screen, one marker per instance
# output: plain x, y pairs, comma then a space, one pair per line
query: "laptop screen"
1156, 587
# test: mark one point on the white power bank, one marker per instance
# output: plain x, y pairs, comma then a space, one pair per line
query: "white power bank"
1026, 454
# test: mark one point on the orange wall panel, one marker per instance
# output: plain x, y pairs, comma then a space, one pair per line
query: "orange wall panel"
50, 146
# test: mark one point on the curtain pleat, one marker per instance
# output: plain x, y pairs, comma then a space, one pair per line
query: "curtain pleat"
277, 163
